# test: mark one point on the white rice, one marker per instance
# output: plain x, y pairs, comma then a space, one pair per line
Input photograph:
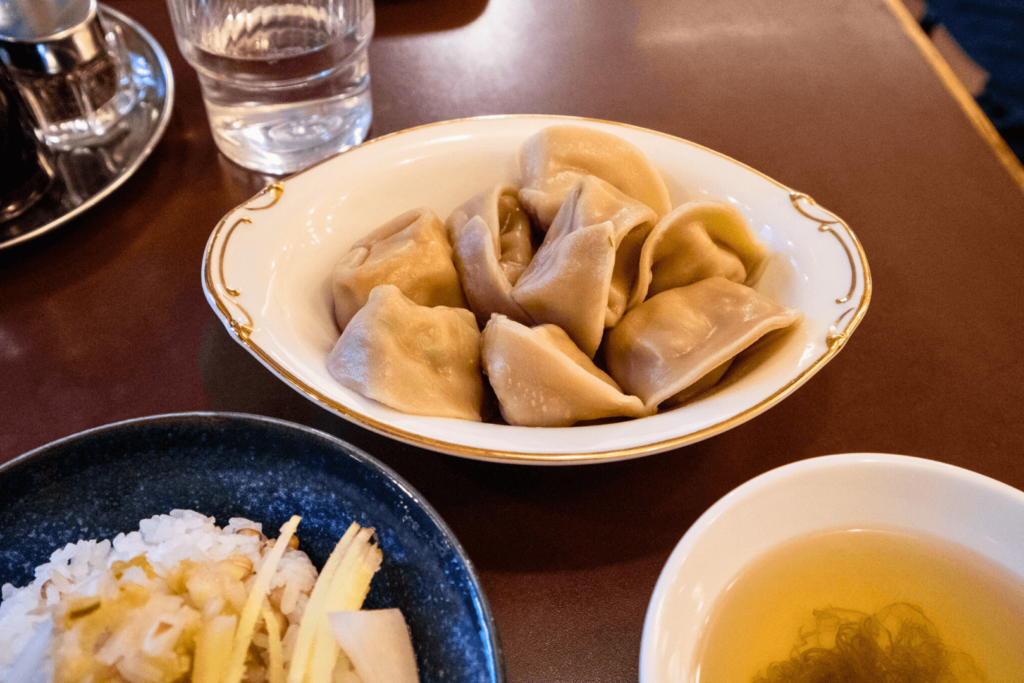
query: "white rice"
82, 569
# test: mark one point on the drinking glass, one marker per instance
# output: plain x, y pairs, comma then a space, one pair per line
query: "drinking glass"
286, 83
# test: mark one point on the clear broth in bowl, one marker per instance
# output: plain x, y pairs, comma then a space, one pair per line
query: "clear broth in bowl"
895, 600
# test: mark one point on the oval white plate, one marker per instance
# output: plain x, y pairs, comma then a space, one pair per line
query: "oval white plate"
855, 490
268, 263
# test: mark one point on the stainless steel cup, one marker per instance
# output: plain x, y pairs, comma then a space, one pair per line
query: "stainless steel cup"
72, 73
25, 170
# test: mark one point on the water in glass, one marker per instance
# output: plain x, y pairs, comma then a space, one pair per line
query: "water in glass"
285, 84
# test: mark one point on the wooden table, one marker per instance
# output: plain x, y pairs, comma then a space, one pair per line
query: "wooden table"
105, 319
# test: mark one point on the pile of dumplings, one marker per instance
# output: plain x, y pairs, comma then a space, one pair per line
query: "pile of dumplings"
517, 293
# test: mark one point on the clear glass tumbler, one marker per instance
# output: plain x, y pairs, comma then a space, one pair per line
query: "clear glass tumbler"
286, 83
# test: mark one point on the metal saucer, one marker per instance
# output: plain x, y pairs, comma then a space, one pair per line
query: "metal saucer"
84, 176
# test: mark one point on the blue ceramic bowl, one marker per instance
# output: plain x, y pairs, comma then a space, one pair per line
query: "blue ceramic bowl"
103, 481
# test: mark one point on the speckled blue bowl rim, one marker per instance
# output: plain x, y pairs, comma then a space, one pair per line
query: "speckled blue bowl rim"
493, 653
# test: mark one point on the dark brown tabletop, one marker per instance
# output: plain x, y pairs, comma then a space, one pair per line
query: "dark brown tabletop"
105, 319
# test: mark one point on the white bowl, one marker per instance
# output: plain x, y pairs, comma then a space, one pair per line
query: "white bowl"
267, 269
859, 490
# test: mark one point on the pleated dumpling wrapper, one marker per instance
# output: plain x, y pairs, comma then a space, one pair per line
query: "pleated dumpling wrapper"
696, 241
553, 159
542, 379
674, 339
412, 252
583, 274
491, 247
417, 359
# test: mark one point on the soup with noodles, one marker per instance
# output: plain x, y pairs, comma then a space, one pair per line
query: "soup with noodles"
866, 606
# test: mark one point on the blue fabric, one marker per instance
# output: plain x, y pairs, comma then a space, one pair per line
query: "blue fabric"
992, 33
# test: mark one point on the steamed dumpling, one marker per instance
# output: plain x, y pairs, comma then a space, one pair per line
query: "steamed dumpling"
412, 252
417, 359
696, 241
593, 201
491, 247
568, 281
507, 222
542, 379
583, 274
674, 339
554, 159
